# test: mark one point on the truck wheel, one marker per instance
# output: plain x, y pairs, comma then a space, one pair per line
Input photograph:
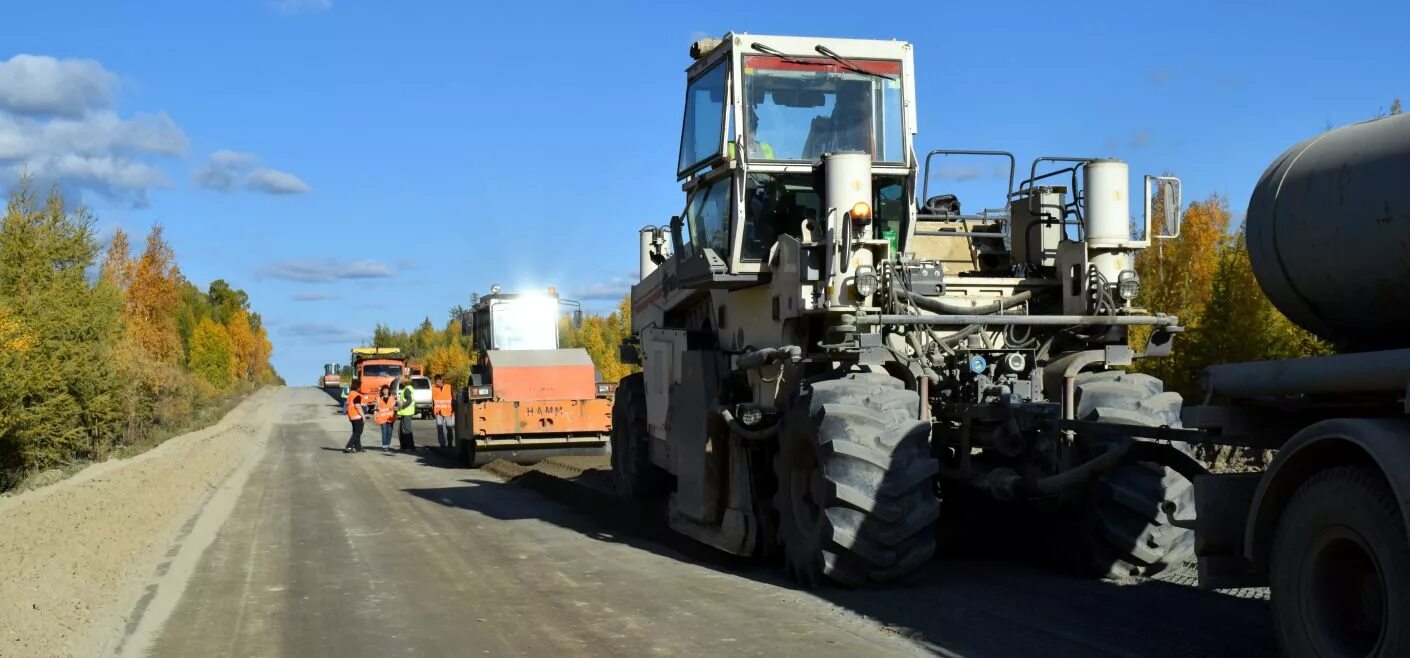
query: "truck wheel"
1341, 567
1126, 527
856, 500
632, 471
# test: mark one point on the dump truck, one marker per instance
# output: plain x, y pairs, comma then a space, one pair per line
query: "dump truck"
375, 367
825, 357
528, 398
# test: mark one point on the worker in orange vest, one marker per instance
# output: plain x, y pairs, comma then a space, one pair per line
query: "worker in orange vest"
353, 405
444, 413
385, 414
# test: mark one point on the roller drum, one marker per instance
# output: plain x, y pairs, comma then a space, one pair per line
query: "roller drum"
1328, 230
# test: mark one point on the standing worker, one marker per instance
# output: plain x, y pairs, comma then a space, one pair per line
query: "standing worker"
353, 404
406, 411
445, 415
384, 415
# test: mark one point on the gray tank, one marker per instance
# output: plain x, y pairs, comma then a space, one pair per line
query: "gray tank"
1329, 234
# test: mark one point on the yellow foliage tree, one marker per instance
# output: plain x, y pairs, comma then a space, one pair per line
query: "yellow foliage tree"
152, 298
451, 362
601, 336
212, 355
1240, 323
1177, 277
244, 346
264, 374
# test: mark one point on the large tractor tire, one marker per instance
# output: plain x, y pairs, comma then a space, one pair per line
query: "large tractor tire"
1340, 568
1126, 527
856, 499
632, 471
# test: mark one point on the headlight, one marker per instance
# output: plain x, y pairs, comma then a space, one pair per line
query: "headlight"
606, 389
1015, 361
750, 415
1128, 284
865, 281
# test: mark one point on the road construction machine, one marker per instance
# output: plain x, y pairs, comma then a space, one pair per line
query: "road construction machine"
824, 358
528, 398
331, 382
375, 367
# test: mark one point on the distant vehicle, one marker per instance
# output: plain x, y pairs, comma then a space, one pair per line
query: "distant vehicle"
527, 397
376, 367
421, 395
330, 382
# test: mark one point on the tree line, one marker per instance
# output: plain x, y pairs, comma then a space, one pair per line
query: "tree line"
444, 351
1204, 277
99, 355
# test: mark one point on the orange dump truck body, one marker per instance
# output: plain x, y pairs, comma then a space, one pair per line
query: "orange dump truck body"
541, 398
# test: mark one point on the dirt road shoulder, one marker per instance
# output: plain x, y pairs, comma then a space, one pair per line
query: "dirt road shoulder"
81, 554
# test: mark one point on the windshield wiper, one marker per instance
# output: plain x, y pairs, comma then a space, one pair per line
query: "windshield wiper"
827, 52
779, 54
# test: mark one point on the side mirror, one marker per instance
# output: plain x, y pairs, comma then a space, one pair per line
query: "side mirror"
467, 327
1169, 194
578, 319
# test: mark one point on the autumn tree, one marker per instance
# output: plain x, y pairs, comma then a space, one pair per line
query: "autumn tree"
1177, 278
212, 355
1240, 322
243, 344
153, 295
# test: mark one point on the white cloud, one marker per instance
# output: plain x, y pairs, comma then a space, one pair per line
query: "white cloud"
315, 332
228, 170
59, 126
611, 289
959, 172
307, 271
290, 7
273, 181
316, 296
45, 86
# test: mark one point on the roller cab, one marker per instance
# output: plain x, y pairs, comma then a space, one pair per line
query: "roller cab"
527, 399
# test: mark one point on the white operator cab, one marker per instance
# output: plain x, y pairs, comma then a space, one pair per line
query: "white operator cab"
760, 113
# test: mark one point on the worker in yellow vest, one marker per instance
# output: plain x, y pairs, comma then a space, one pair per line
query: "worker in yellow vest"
444, 412
406, 411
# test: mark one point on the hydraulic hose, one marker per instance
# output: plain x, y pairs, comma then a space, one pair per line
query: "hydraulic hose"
951, 308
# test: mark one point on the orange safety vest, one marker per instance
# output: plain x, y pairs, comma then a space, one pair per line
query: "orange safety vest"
386, 407
354, 405
440, 399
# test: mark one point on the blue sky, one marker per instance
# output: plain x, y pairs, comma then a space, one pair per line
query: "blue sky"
349, 162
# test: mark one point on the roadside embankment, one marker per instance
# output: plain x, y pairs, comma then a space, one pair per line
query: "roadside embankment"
79, 552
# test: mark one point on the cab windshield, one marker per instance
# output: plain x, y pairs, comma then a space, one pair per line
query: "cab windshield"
525, 323
799, 108
381, 370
